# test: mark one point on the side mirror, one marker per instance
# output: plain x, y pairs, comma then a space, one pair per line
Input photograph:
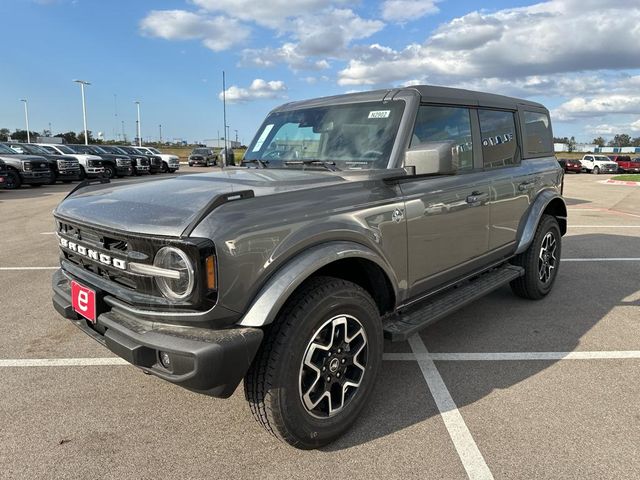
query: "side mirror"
434, 158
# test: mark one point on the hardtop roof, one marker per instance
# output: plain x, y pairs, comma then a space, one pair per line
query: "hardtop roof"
428, 94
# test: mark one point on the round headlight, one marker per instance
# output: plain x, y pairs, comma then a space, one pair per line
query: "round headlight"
171, 258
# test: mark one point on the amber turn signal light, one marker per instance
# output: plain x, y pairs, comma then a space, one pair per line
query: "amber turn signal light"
210, 264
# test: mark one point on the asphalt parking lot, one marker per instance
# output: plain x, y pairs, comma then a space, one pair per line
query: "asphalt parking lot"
505, 388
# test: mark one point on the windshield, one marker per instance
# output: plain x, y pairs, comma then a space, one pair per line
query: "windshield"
5, 149
97, 149
201, 151
64, 149
602, 158
354, 136
153, 150
34, 149
81, 149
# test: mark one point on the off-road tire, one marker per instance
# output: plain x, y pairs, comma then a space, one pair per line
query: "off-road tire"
164, 168
272, 384
530, 285
14, 180
596, 170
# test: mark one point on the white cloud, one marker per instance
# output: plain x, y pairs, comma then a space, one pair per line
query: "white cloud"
546, 38
598, 105
259, 89
216, 33
272, 13
407, 10
635, 126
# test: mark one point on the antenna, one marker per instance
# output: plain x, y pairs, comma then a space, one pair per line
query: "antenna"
224, 118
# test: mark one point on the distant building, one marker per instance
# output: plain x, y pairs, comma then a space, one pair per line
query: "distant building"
219, 143
586, 147
560, 147
617, 150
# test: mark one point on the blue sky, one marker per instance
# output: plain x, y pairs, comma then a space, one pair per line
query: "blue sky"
579, 57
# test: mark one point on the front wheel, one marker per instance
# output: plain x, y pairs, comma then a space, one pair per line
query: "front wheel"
596, 171
164, 168
13, 180
317, 365
109, 172
540, 261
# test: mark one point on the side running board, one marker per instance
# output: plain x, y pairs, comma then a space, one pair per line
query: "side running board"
401, 326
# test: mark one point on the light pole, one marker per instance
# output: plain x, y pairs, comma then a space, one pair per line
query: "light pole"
84, 109
26, 117
138, 124
160, 127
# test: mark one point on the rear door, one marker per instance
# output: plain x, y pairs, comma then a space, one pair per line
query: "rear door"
512, 183
447, 216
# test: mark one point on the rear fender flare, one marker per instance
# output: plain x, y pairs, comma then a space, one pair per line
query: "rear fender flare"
528, 227
290, 276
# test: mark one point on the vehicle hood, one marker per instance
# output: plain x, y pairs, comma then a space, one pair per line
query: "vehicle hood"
84, 156
166, 207
23, 158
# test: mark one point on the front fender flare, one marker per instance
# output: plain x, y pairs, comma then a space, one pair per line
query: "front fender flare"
283, 283
528, 227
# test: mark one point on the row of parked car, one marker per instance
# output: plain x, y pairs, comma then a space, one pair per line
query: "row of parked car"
42, 163
597, 164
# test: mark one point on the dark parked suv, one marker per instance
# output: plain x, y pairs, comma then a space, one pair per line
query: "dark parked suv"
355, 217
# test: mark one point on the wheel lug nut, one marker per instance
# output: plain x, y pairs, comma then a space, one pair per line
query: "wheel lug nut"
339, 350
328, 379
324, 368
338, 375
344, 361
329, 354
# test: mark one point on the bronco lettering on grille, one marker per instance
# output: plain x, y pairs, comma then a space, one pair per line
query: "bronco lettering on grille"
93, 254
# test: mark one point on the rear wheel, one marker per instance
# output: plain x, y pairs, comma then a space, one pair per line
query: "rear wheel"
317, 365
13, 180
540, 261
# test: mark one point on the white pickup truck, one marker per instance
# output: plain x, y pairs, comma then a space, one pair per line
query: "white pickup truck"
598, 164
170, 163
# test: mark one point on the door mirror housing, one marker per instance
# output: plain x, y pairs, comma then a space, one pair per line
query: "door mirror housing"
431, 158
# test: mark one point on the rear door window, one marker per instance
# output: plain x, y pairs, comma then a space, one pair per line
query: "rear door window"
537, 130
498, 132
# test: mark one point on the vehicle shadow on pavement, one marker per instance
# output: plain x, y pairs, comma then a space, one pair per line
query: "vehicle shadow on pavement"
575, 201
566, 320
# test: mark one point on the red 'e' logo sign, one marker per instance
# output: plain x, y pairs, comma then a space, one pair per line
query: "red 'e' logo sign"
84, 301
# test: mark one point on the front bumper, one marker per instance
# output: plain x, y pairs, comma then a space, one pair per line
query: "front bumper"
94, 172
34, 178
68, 174
208, 361
142, 168
128, 170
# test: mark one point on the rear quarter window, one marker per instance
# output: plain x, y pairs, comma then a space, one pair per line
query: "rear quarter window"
538, 138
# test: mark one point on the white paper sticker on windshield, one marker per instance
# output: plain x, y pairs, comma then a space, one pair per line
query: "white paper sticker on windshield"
262, 138
379, 113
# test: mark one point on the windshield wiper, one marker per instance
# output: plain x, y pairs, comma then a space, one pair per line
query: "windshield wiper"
260, 163
331, 166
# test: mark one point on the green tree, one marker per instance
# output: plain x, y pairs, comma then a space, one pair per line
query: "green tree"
621, 140
21, 135
599, 141
69, 137
4, 134
572, 144
635, 142
89, 135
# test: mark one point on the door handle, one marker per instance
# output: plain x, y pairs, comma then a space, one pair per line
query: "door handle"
477, 197
528, 184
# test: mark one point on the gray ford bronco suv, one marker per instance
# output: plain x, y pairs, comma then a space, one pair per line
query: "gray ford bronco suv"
353, 218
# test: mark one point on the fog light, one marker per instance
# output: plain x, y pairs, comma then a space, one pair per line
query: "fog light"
165, 360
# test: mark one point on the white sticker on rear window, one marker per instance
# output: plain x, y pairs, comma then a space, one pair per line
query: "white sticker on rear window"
379, 113
262, 138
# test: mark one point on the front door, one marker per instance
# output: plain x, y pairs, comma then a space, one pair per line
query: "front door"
447, 216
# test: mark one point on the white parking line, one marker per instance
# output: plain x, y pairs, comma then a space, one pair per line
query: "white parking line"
27, 268
48, 233
604, 226
470, 456
515, 356
622, 259
62, 362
